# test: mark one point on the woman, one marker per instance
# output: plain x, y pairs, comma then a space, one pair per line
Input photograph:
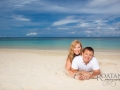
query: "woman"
75, 50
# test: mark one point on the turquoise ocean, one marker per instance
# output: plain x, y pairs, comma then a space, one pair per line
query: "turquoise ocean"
58, 43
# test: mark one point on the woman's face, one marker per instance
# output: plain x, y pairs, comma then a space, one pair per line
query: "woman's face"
77, 49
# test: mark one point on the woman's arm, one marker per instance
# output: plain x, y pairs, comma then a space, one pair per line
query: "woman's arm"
68, 68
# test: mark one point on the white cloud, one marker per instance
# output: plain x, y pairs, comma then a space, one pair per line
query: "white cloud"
90, 6
84, 24
21, 18
18, 3
78, 7
63, 28
32, 34
72, 32
91, 25
100, 21
65, 21
99, 3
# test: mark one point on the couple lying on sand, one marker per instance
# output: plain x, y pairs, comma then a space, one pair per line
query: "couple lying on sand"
81, 63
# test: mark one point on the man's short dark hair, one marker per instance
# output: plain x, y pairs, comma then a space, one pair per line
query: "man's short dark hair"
88, 48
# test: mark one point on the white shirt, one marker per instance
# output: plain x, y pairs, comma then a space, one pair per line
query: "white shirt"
78, 63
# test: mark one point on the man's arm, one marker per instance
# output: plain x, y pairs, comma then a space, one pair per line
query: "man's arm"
85, 75
95, 73
96, 69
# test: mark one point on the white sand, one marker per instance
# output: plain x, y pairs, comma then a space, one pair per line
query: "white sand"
44, 70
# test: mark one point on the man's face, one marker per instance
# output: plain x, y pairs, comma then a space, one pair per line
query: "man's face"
87, 56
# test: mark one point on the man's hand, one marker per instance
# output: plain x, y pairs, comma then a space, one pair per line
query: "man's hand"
85, 75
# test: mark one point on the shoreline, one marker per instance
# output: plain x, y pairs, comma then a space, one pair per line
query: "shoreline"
65, 50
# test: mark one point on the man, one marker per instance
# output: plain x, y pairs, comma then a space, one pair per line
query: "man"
86, 65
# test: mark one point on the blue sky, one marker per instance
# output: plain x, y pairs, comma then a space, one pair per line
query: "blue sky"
59, 18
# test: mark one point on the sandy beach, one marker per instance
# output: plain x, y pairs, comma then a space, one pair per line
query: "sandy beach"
44, 70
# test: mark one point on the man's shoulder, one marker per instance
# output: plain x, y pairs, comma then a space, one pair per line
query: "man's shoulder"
94, 59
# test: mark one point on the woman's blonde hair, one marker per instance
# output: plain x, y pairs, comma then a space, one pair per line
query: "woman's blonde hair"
71, 54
